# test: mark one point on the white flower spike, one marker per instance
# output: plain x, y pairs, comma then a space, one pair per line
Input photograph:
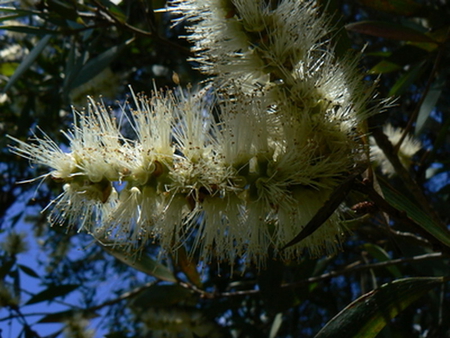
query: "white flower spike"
235, 170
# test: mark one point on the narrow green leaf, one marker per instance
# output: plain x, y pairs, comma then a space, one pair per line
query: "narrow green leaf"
382, 256
115, 11
407, 79
52, 292
188, 266
28, 61
97, 64
278, 320
10, 17
28, 30
384, 66
429, 104
17, 13
388, 30
401, 202
322, 215
368, 315
142, 263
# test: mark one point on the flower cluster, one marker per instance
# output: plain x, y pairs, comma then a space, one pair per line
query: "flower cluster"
236, 169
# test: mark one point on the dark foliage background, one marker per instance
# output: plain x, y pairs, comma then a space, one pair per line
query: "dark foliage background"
53, 281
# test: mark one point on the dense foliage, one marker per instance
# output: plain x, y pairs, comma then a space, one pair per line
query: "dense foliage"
393, 264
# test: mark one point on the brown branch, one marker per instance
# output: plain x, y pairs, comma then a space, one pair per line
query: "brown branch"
122, 297
361, 267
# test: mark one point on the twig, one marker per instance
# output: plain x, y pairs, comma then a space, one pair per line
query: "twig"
356, 267
351, 268
123, 296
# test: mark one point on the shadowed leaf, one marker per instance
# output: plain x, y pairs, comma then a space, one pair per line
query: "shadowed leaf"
188, 266
401, 202
384, 66
429, 104
97, 64
407, 79
388, 30
28, 61
52, 292
401, 7
30, 272
64, 316
322, 215
162, 296
382, 256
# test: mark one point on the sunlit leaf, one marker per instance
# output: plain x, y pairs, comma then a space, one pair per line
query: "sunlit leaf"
388, 30
276, 324
52, 292
8, 68
366, 316
115, 11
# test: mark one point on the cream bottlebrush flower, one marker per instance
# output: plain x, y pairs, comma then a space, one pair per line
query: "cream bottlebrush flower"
251, 37
229, 188
87, 171
238, 180
277, 76
408, 148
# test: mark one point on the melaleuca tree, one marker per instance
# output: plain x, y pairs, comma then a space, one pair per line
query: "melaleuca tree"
250, 182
